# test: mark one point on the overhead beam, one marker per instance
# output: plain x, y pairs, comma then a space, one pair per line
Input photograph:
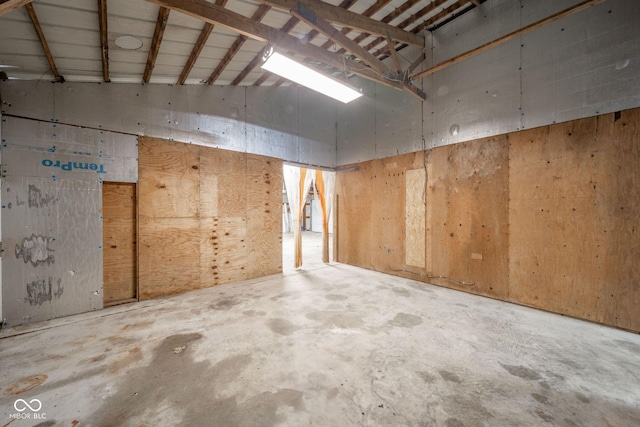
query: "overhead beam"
7, 6
195, 52
308, 15
257, 60
226, 59
209, 12
413, 18
104, 39
390, 17
343, 17
555, 17
369, 12
263, 78
415, 64
235, 48
197, 48
161, 24
45, 46
394, 54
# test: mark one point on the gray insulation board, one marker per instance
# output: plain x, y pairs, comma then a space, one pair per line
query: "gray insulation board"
259, 120
581, 66
51, 215
52, 263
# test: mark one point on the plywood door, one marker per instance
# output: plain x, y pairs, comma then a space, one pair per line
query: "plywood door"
119, 242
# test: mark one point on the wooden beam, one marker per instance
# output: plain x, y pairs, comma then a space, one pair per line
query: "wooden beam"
374, 8
161, 24
556, 16
394, 54
209, 12
410, 20
197, 48
257, 60
237, 44
390, 17
308, 38
447, 11
195, 52
45, 46
7, 6
435, 18
226, 59
263, 78
419, 60
104, 39
307, 15
343, 17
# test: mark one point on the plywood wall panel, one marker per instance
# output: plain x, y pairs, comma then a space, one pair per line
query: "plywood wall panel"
223, 176
119, 256
388, 183
555, 223
354, 225
233, 227
223, 250
169, 256
119, 201
547, 217
264, 215
467, 200
415, 217
619, 203
169, 179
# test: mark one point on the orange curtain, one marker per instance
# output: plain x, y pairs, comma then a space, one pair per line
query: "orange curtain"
325, 216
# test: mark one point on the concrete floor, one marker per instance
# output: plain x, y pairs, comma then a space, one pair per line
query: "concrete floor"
327, 345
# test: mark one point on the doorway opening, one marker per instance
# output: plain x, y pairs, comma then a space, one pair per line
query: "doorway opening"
307, 223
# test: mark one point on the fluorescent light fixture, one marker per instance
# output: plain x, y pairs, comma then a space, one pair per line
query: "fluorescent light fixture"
305, 76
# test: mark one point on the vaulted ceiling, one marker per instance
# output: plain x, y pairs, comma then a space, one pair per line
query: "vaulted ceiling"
220, 43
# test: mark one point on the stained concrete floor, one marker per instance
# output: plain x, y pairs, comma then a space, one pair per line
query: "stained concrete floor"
327, 345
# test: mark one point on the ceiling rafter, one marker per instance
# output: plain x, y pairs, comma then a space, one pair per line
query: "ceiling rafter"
374, 8
263, 78
9, 5
435, 18
406, 6
257, 16
439, 16
308, 38
410, 20
209, 12
226, 59
394, 54
257, 60
287, 27
104, 39
346, 18
197, 48
43, 41
161, 24
308, 15
206, 31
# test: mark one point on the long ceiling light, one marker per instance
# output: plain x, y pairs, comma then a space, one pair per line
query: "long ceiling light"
305, 76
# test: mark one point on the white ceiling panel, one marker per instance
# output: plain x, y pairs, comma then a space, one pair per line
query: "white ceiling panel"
71, 29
